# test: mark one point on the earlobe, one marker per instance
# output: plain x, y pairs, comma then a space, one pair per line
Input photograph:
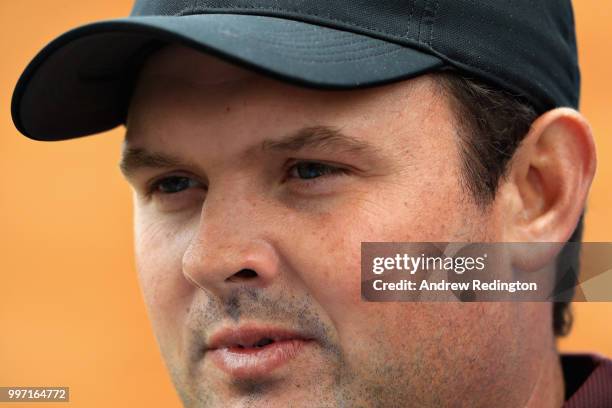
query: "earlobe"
549, 178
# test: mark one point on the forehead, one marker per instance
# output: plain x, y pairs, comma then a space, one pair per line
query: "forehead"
186, 93
176, 62
176, 66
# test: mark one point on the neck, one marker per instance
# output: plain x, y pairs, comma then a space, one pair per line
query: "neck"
549, 389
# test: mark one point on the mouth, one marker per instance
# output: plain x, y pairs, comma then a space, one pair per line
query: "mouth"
254, 351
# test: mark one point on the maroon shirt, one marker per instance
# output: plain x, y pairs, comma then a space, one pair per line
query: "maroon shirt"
588, 381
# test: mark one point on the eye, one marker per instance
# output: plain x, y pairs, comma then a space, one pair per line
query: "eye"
311, 170
177, 193
173, 185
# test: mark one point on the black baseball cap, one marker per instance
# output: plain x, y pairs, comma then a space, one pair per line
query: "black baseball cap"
81, 82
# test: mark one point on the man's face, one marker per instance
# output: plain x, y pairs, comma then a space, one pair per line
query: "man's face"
252, 198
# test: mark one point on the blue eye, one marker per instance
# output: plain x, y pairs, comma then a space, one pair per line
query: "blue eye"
312, 170
173, 185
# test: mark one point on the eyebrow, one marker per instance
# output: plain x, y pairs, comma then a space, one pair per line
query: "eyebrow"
315, 137
134, 159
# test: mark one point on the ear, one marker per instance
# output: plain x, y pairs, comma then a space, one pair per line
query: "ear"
547, 184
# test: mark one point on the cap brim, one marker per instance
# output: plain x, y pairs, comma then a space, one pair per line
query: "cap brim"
78, 84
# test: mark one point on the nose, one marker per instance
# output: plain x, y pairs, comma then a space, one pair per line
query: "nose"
230, 251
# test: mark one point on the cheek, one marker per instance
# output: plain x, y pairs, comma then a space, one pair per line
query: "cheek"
330, 257
159, 247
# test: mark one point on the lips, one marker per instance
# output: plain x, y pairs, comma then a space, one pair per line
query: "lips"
254, 351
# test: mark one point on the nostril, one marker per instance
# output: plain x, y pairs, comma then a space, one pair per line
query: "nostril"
243, 274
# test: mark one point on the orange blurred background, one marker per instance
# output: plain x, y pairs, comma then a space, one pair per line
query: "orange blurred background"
71, 312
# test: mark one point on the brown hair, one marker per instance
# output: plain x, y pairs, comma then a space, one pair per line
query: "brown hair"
492, 125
